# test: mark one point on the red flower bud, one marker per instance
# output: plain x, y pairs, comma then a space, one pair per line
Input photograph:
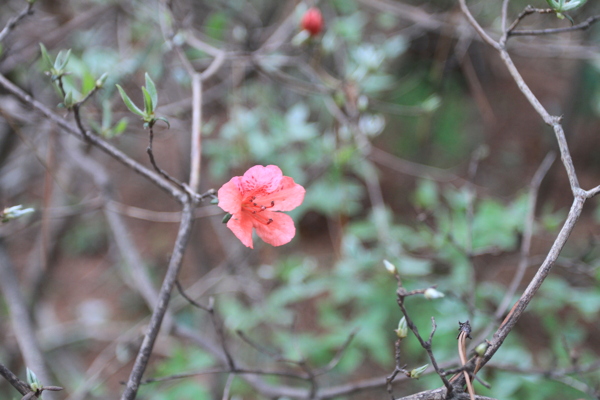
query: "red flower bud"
312, 21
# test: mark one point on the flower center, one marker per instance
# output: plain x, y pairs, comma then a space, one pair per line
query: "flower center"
250, 205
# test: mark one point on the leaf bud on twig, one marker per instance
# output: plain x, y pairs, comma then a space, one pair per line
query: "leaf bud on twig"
402, 330
416, 373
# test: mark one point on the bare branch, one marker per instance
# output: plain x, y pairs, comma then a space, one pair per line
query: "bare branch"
574, 213
13, 22
537, 32
18, 384
486, 38
161, 308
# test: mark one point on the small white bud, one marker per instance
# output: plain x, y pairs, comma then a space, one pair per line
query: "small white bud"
432, 293
14, 212
391, 268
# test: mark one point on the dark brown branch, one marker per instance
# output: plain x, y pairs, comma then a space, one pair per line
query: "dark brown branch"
18, 384
175, 263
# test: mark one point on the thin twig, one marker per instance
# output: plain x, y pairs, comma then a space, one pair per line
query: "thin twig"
537, 32
486, 38
217, 323
398, 367
504, 13
262, 349
196, 151
12, 23
338, 356
228, 386
161, 171
401, 294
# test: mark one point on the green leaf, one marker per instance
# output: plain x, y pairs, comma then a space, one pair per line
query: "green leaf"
120, 126
88, 82
573, 4
166, 121
132, 107
148, 106
62, 59
46, 56
152, 91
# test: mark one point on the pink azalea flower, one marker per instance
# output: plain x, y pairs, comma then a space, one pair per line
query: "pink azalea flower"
253, 200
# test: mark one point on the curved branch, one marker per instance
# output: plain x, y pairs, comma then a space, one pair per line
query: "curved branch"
95, 140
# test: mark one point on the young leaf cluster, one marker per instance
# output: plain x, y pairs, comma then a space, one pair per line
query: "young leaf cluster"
150, 103
562, 6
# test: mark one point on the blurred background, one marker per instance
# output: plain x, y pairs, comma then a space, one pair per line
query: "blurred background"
414, 145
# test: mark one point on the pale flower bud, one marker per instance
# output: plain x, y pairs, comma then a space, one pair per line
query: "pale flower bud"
432, 293
14, 212
391, 268
402, 330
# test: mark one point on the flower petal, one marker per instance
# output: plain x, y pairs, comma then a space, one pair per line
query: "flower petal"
241, 226
230, 197
261, 178
280, 231
289, 196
